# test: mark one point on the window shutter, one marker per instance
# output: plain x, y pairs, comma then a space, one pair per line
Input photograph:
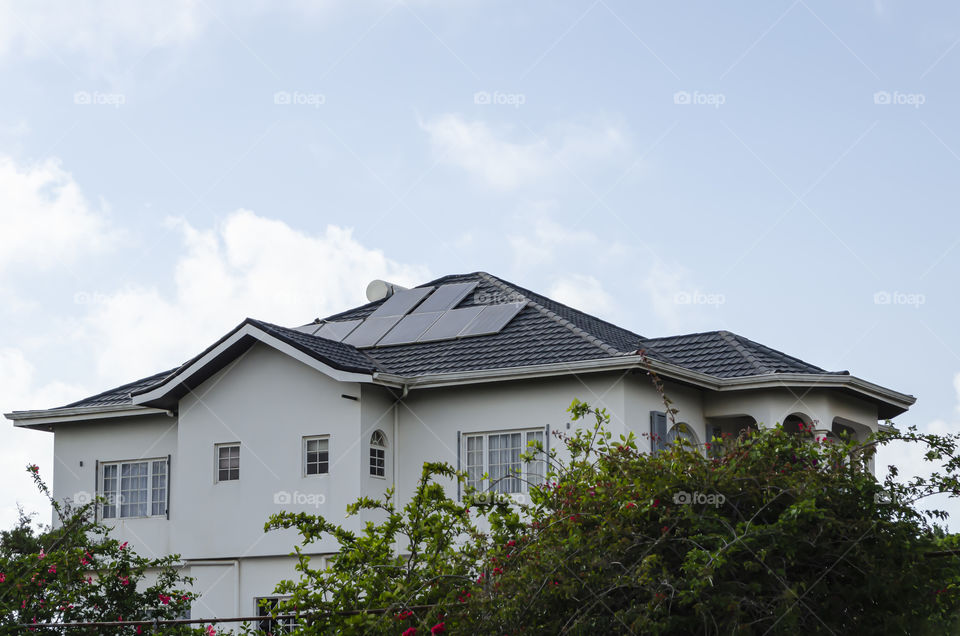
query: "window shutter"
168, 488
546, 442
658, 431
96, 490
458, 465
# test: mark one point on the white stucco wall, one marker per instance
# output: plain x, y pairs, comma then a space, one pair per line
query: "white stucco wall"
115, 439
268, 402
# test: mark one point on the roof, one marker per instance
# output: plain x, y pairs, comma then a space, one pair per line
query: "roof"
724, 354
543, 332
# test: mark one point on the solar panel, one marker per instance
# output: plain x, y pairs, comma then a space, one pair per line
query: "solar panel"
492, 319
401, 302
410, 328
311, 328
446, 297
450, 324
337, 330
372, 329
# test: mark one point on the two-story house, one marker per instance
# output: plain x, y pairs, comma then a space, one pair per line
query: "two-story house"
465, 369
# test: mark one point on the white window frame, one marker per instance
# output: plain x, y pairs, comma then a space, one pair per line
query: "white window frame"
216, 461
377, 448
303, 456
530, 472
287, 625
115, 498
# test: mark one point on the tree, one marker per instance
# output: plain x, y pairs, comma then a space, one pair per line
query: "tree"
75, 572
769, 532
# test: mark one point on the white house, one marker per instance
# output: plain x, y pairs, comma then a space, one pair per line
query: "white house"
465, 369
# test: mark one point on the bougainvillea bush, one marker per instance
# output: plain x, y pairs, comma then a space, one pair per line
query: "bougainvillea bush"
74, 572
772, 532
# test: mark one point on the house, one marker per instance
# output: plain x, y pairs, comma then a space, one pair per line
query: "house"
465, 369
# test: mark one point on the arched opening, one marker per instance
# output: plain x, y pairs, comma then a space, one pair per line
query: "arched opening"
378, 454
684, 433
795, 422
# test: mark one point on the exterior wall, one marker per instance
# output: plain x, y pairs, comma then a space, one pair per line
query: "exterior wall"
268, 402
129, 438
771, 406
642, 398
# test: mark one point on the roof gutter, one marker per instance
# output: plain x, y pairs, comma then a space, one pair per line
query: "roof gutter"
42, 419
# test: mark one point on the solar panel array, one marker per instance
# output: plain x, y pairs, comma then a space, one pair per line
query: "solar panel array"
422, 314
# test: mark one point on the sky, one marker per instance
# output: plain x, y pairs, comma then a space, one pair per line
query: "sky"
785, 170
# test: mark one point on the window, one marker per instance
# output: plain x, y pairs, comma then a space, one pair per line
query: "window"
683, 431
269, 625
228, 462
134, 489
378, 454
498, 455
316, 455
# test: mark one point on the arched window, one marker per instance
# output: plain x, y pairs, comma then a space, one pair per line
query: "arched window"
795, 422
378, 454
684, 432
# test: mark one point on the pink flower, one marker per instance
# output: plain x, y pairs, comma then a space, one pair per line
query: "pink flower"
211, 631
123, 545
3, 577
52, 569
125, 581
438, 629
410, 631
42, 554
630, 504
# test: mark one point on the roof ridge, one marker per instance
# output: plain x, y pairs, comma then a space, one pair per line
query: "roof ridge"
597, 342
777, 353
730, 339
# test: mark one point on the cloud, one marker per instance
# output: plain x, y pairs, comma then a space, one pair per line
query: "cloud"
582, 292
495, 160
544, 240
98, 29
18, 390
46, 219
247, 266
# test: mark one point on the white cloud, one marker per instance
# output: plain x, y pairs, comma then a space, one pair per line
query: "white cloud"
499, 162
582, 292
544, 240
18, 390
248, 266
45, 217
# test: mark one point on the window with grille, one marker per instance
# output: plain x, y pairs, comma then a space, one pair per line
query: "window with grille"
269, 625
378, 454
228, 462
316, 455
134, 489
498, 456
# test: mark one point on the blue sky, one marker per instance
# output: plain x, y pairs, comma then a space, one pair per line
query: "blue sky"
786, 170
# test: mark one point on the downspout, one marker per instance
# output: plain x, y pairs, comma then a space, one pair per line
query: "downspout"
396, 436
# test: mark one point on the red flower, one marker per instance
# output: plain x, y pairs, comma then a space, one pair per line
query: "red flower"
410, 631
656, 502
630, 504
438, 629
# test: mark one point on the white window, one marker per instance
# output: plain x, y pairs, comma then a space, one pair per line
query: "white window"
316, 455
228, 462
498, 455
134, 489
378, 454
268, 625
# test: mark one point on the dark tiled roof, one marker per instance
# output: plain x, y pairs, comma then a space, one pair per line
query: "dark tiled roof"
725, 355
119, 395
544, 332
336, 354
